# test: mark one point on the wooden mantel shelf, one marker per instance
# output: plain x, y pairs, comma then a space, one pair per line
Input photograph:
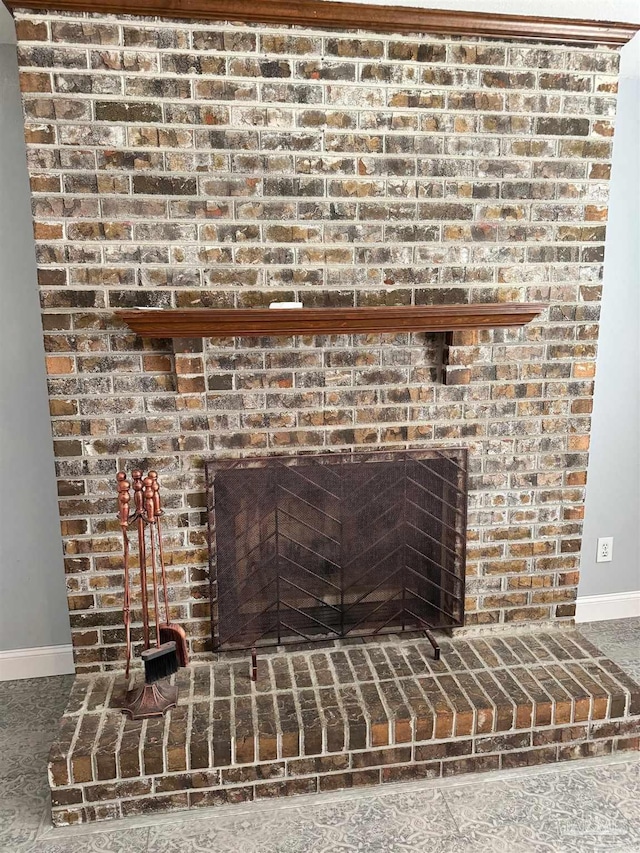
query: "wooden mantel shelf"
205, 322
390, 18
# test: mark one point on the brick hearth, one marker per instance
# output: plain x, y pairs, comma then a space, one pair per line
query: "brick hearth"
340, 717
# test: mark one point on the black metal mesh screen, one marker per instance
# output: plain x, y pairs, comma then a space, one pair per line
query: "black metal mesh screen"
314, 547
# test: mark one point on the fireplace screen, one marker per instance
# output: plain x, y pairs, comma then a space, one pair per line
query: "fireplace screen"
320, 547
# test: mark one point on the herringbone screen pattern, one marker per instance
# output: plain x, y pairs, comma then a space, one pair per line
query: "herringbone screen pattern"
321, 547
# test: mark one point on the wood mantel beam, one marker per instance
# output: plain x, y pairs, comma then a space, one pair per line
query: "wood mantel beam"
351, 16
273, 322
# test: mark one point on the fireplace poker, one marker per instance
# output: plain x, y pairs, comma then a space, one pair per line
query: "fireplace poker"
124, 500
139, 517
150, 520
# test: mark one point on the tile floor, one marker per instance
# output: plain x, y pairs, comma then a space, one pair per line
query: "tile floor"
580, 807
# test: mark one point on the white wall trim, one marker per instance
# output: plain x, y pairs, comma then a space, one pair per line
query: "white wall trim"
36, 663
617, 605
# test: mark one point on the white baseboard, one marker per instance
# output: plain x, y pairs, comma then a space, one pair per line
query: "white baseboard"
617, 605
36, 663
58, 660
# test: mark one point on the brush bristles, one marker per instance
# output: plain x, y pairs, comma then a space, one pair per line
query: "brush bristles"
160, 662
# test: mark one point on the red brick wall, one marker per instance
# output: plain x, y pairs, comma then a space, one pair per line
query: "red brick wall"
175, 164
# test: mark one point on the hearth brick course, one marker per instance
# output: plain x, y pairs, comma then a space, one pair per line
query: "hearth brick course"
359, 715
180, 164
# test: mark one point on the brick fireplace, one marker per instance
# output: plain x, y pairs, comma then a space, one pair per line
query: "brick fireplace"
192, 163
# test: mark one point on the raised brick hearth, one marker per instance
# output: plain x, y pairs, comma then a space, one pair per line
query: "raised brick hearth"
340, 717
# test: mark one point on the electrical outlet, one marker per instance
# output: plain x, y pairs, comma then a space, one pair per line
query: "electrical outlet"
605, 549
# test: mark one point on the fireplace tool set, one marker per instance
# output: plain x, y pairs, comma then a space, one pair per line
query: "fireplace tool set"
165, 645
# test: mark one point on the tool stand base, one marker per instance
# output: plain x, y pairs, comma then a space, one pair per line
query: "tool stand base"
150, 700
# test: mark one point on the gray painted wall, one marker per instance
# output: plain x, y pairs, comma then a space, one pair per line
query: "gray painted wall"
33, 609
32, 602
613, 489
7, 34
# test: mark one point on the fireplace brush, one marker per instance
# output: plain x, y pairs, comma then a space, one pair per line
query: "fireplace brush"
168, 650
